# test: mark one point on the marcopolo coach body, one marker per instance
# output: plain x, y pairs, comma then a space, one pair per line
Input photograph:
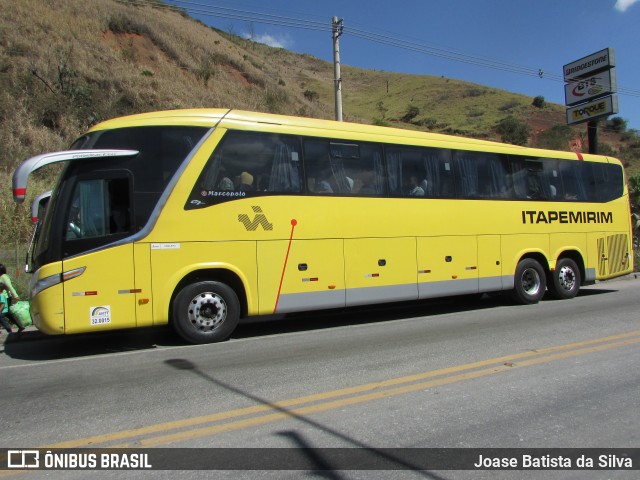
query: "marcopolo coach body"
200, 217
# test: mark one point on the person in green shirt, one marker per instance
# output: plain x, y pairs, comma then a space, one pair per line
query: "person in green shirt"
6, 291
4, 308
5, 284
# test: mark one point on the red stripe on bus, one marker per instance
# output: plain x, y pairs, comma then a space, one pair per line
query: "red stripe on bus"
294, 222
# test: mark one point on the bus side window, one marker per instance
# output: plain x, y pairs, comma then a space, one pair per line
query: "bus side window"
413, 172
343, 168
249, 163
549, 179
518, 178
365, 174
285, 172
572, 181
466, 173
606, 183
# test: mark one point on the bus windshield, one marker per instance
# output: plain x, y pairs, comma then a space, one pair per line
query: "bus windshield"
98, 201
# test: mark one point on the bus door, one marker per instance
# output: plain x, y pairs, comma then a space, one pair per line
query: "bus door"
447, 266
99, 286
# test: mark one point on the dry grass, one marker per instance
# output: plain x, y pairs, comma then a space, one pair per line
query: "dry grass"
64, 67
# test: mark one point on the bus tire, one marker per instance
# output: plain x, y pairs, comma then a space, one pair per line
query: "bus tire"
530, 282
565, 279
206, 312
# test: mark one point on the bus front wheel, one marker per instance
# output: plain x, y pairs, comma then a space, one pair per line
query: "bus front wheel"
530, 282
206, 312
565, 279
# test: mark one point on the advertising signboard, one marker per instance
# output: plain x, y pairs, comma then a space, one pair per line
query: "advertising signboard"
590, 111
590, 64
589, 88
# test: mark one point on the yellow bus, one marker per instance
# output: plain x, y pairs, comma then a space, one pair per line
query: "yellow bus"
199, 218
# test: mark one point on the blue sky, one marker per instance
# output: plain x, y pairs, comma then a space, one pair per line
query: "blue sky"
516, 38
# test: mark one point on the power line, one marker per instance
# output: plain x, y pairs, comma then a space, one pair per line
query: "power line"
244, 15
390, 39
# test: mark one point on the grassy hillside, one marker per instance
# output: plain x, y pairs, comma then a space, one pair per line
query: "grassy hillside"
64, 67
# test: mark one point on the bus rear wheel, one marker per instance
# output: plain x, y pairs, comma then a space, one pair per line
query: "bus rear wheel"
565, 279
206, 312
530, 282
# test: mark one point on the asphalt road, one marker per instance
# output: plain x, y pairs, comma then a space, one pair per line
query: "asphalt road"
464, 373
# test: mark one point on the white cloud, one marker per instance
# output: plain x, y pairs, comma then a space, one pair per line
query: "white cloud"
270, 40
622, 5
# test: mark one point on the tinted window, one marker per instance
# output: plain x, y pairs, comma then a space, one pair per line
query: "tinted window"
162, 150
605, 182
249, 164
420, 172
99, 208
344, 168
99, 211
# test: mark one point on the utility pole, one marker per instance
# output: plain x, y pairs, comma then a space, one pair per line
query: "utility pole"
337, 26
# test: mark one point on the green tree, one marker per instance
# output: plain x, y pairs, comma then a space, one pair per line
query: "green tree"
538, 102
311, 95
412, 112
513, 131
634, 193
555, 138
617, 124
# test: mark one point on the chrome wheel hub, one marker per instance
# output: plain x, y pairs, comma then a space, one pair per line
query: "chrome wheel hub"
566, 278
530, 281
207, 311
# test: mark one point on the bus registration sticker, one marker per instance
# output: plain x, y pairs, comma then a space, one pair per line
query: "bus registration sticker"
100, 315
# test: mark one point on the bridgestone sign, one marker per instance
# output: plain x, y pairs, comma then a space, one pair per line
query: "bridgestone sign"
590, 82
602, 60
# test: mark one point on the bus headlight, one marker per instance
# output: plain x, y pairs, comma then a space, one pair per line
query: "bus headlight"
39, 285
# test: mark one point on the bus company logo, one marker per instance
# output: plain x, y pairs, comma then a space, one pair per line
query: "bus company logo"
100, 315
551, 216
259, 219
23, 459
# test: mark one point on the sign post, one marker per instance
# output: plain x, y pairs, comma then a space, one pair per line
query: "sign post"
590, 85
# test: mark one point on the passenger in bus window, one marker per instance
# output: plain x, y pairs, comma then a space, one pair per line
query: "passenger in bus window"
245, 182
415, 190
323, 186
225, 184
570, 196
365, 183
350, 183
